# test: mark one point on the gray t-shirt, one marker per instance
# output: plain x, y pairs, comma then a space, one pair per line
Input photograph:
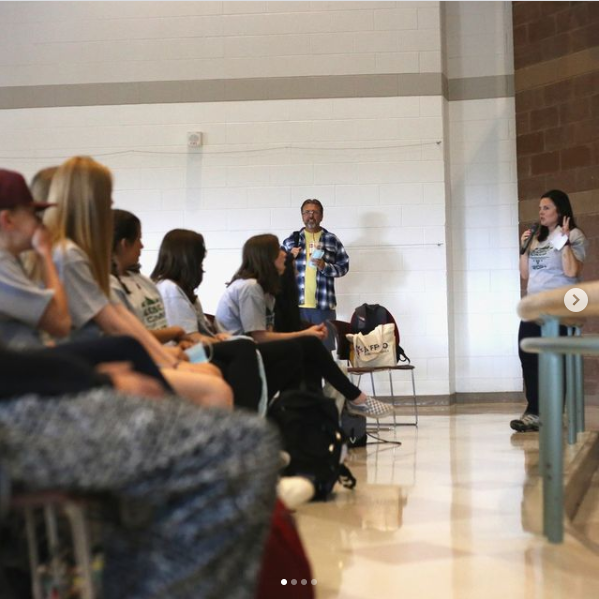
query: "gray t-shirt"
180, 312
142, 298
545, 268
85, 297
22, 304
244, 308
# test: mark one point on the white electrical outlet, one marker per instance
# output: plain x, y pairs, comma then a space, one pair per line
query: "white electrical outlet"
194, 139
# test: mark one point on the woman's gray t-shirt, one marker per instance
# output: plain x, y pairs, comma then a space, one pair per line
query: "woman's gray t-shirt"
141, 297
84, 295
244, 308
545, 267
180, 312
22, 305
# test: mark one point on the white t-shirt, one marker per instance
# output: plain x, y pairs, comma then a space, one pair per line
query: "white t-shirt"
142, 298
22, 304
545, 267
244, 308
180, 312
85, 297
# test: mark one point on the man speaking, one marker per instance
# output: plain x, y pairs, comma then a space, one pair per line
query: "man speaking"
320, 258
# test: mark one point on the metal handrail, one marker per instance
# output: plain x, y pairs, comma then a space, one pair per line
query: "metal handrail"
588, 345
549, 310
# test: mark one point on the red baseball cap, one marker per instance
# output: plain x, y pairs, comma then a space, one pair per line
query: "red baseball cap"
14, 192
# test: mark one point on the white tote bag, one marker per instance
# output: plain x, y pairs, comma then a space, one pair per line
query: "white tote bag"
375, 349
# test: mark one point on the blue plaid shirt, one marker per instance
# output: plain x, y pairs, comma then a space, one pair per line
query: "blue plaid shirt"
336, 265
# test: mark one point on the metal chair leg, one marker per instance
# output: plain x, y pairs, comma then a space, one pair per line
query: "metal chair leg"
392, 398
34, 561
81, 541
50, 518
415, 400
378, 422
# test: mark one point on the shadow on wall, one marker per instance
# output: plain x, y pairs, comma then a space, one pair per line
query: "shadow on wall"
376, 266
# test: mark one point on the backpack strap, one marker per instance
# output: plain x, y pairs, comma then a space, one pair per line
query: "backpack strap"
346, 478
401, 355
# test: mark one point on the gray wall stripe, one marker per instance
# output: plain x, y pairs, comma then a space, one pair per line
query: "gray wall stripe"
276, 88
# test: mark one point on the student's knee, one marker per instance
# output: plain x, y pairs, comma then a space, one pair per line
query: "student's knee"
220, 396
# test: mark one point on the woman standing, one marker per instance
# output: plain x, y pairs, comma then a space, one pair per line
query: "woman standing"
554, 258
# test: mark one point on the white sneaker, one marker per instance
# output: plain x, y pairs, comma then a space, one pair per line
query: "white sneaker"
285, 459
371, 408
294, 491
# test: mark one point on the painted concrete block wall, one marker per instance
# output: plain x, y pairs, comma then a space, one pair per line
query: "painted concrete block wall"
87, 42
376, 164
485, 245
479, 39
483, 206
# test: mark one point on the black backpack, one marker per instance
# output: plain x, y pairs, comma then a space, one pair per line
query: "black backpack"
368, 316
309, 426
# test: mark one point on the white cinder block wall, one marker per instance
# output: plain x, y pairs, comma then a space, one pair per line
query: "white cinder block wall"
377, 164
484, 208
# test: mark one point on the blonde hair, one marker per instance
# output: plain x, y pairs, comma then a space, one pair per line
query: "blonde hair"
40, 184
82, 191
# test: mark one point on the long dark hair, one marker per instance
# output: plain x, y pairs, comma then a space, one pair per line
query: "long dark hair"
564, 208
128, 227
180, 259
287, 312
258, 262
125, 226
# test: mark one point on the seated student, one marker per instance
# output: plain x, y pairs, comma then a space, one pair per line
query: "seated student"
136, 291
178, 273
26, 309
205, 478
236, 360
82, 233
247, 307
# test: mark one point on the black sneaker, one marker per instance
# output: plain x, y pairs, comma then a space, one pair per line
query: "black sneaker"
528, 423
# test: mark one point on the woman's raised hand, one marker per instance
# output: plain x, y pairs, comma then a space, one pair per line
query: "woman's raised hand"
566, 226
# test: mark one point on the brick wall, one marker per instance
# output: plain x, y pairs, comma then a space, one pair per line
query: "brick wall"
557, 119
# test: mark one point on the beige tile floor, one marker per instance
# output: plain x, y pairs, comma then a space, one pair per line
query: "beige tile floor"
442, 516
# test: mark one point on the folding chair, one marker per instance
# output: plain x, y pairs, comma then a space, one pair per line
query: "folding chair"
51, 504
342, 328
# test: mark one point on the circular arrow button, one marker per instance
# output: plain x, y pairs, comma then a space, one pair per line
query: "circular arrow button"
576, 300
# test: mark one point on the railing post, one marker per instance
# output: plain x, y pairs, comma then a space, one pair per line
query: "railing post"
579, 386
571, 394
551, 386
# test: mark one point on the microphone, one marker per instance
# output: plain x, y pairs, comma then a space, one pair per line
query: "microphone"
296, 238
533, 229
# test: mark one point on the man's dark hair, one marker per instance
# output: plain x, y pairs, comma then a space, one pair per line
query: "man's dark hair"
313, 201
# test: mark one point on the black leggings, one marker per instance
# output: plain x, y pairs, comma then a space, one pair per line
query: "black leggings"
299, 363
302, 363
69, 368
530, 364
238, 362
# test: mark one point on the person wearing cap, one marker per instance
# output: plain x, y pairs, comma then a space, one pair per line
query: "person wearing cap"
320, 258
27, 309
